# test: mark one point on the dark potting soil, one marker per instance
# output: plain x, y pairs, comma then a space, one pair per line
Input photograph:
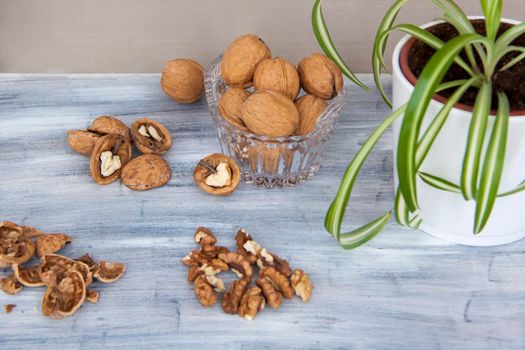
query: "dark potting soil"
510, 81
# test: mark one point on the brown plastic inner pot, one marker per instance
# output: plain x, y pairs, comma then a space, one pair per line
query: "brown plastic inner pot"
409, 75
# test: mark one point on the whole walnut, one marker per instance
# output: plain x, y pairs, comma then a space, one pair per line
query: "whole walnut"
270, 114
277, 74
320, 76
310, 108
241, 59
230, 105
183, 80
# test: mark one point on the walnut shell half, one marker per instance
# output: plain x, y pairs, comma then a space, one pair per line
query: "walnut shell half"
183, 80
66, 297
320, 76
270, 114
108, 272
310, 108
150, 136
82, 141
28, 276
51, 243
111, 153
279, 75
106, 124
146, 172
225, 179
241, 59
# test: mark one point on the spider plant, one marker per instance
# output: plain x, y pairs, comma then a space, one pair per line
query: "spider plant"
485, 149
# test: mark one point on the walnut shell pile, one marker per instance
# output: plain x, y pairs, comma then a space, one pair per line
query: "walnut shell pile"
275, 281
108, 142
66, 280
270, 110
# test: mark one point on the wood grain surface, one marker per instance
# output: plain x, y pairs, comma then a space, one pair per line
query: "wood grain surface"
403, 289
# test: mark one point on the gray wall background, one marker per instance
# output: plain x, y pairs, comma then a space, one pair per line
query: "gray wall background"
98, 36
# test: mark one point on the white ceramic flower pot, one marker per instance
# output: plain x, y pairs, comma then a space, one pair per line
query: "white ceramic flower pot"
447, 215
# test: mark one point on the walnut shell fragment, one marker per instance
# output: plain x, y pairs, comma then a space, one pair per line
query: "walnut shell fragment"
51, 243
150, 136
310, 108
320, 76
106, 124
92, 296
64, 299
111, 153
252, 303
28, 276
230, 106
279, 75
270, 113
146, 172
108, 272
53, 268
301, 284
205, 291
82, 141
10, 284
217, 174
183, 80
17, 250
241, 59
88, 260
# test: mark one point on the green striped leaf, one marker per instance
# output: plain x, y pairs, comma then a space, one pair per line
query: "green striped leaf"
425, 88
492, 10
426, 37
380, 46
509, 36
336, 212
325, 41
402, 214
492, 165
439, 183
455, 16
362, 235
518, 189
476, 135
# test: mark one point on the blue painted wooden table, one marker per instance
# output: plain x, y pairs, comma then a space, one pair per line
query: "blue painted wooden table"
402, 290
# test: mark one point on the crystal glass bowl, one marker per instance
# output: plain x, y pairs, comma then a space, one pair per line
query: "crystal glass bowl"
272, 162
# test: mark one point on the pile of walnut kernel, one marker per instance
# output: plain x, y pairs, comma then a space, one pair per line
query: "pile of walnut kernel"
66, 281
275, 281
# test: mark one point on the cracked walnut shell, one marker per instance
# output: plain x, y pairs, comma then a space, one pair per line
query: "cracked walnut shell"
310, 108
320, 76
241, 59
109, 272
10, 284
110, 154
230, 106
279, 75
28, 276
146, 172
106, 124
64, 298
183, 80
53, 268
150, 136
217, 174
51, 243
270, 113
82, 141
